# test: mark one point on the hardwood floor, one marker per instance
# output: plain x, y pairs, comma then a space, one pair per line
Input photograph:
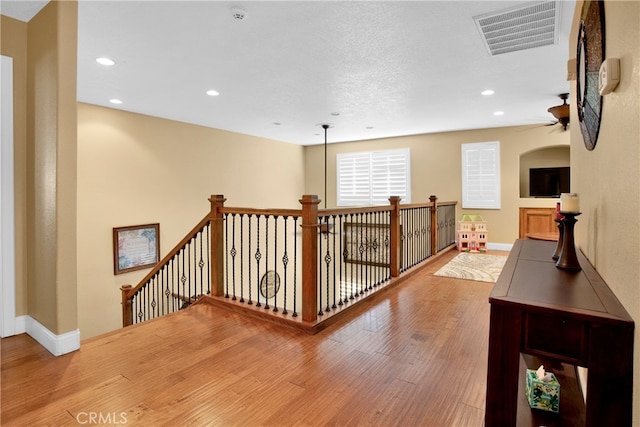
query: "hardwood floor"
416, 356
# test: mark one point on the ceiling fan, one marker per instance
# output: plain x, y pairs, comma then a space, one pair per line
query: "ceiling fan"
561, 112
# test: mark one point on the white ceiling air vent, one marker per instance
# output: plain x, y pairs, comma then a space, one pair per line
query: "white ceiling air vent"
522, 27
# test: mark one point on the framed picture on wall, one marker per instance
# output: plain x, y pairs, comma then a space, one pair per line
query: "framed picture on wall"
135, 247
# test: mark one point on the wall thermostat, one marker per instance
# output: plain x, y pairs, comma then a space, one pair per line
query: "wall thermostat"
609, 75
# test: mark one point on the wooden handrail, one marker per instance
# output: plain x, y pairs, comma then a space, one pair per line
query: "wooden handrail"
255, 211
347, 211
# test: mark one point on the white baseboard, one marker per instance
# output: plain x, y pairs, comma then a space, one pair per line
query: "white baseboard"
500, 246
56, 344
20, 325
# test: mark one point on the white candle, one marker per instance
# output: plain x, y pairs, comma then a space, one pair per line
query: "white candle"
569, 202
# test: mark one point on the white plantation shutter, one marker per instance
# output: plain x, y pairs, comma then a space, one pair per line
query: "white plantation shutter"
481, 175
370, 178
354, 181
390, 176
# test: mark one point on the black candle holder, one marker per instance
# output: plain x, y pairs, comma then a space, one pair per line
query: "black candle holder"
558, 251
568, 259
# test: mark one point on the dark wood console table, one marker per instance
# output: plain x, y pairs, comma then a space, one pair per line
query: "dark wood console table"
563, 318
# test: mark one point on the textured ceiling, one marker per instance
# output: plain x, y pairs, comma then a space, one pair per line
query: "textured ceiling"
388, 68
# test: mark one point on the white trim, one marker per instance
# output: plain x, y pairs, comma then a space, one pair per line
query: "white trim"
21, 325
56, 344
7, 214
499, 246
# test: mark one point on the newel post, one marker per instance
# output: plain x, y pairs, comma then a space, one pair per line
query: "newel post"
217, 244
309, 257
394, 231
434, 225
127, 311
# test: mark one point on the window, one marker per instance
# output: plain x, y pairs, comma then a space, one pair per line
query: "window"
370, 178
481, 175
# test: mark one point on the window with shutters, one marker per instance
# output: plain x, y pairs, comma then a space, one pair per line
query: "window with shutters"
481, 175
370, 178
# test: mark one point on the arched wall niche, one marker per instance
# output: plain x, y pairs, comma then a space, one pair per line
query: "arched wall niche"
548, 157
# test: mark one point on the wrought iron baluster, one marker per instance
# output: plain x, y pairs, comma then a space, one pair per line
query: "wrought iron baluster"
165, 289
233, 255
173, 291
258, 256
352, 251
342, 260
405, 240
275, 263
183, 278
146, 303
241, 257
429, 213
201, 263
285, 262
295, 266
327, 260
137, 318
361, 250
370, 252
379, 259
266, 262
226, 255
319, 286
188, 271
409, 235
208, 226
195, 264
249, 259
421, 247
365, 245
335, 259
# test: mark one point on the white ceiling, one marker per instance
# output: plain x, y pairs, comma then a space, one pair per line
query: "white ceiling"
401, 68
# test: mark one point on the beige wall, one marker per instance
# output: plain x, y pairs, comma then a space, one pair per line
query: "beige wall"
436, 169
44, 53
135, 169
13, 43
608, 178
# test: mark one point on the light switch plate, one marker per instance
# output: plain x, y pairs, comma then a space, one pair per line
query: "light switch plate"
609, 75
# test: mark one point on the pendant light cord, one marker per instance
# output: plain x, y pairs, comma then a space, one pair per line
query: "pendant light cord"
325, 127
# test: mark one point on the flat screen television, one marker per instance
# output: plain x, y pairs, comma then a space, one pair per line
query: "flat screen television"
549, 182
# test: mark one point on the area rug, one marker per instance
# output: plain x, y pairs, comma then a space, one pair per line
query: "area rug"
474, 266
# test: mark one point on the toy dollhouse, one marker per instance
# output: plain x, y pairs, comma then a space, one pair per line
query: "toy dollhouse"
472, 234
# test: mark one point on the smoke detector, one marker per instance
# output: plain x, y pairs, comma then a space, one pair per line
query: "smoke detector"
238, 13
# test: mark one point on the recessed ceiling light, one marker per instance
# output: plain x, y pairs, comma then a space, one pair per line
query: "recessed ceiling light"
105, 61
115, 101
369, 127
277, 123
498, 113
335, 114
488, 92
212, 92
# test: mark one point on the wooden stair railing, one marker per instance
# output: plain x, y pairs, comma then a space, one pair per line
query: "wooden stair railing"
163, 298
169, 285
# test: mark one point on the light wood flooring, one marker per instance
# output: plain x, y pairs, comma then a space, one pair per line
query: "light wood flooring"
415, 356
